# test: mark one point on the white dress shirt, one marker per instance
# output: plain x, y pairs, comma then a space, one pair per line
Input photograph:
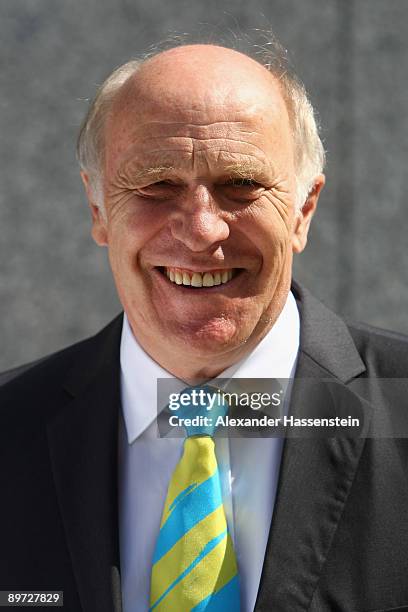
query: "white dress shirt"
147, 461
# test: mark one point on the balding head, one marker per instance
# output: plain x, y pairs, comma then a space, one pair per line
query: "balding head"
197, 84
208, 75
203, 67
205, 75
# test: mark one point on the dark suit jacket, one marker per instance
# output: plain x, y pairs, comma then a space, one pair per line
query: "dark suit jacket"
339, 535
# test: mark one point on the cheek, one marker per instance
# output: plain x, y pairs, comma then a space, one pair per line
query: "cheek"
270, 232
133, 229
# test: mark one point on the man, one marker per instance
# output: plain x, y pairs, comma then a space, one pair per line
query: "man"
203, 170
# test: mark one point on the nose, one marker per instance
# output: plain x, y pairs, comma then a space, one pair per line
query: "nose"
198, 221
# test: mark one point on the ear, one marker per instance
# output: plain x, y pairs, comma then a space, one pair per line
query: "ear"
99, 229
304, 217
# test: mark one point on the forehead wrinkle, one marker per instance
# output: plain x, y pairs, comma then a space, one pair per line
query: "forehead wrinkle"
175, 114
212, 131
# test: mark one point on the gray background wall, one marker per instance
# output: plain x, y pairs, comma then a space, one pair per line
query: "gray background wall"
55, 286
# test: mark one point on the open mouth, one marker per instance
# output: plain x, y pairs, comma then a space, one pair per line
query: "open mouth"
208, 278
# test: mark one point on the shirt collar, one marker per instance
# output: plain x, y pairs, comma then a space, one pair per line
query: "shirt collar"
274, 357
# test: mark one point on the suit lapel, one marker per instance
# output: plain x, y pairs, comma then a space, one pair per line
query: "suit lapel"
316, 474
83, 449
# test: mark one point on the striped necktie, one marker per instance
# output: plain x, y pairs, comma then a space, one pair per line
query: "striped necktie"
194, 565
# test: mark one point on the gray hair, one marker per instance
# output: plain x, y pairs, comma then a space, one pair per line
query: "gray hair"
309, 150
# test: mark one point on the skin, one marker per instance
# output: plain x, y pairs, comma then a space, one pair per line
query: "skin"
199, 174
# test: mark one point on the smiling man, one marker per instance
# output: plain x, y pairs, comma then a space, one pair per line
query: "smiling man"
203, 168
200, 211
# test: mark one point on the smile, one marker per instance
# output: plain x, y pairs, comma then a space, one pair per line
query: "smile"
208, 278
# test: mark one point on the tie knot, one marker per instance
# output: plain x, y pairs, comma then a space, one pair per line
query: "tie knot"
200, 409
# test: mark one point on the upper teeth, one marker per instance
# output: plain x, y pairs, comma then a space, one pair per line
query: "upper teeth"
198, 279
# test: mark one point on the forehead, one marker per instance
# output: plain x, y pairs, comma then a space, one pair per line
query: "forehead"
178, 109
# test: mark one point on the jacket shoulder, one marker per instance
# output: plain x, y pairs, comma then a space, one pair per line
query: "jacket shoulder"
384, 352
41, 383
44, 366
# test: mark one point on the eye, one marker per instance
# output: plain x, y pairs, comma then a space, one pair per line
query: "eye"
159, 185
159, 189
244, 189
162, 184
242, 182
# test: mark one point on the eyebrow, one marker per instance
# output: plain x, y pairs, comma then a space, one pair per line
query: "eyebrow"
247, 170
243, 169
152, 173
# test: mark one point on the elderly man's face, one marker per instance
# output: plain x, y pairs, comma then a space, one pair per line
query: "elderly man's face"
200, 202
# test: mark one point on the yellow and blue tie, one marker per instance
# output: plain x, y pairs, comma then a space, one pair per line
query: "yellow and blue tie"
194, 564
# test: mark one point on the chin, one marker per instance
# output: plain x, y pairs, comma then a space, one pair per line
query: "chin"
211, 337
